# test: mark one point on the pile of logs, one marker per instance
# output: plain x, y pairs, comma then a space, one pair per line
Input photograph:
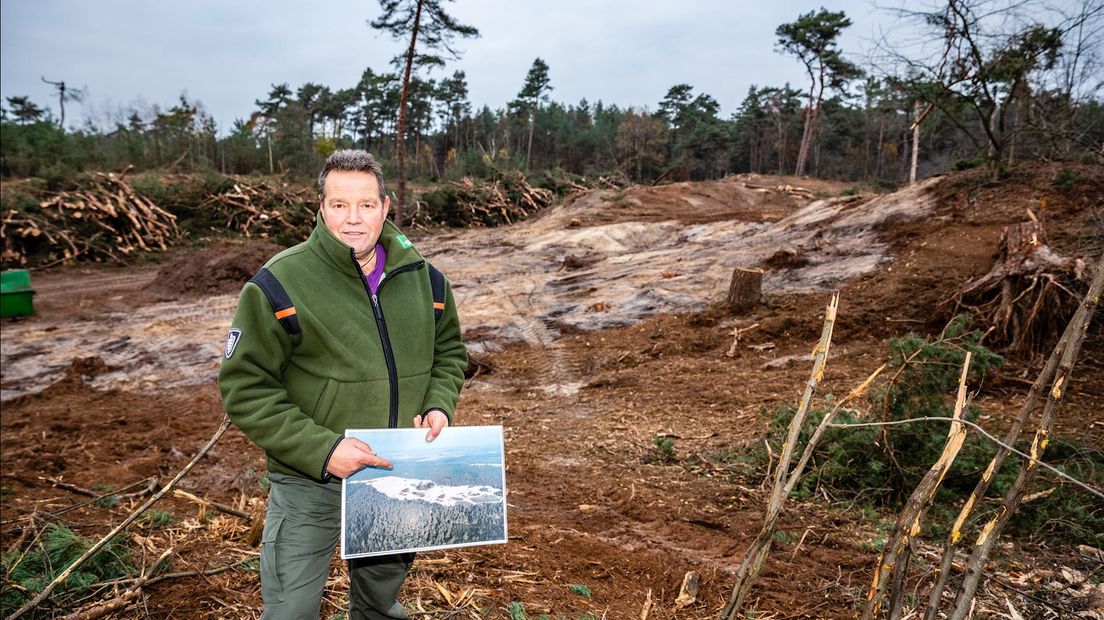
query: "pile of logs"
265, 208
106, 220
466, 203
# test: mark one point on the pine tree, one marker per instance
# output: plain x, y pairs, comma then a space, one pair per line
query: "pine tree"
428, 20
812, 38
533, 92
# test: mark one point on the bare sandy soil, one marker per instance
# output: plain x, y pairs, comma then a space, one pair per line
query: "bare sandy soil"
598, 327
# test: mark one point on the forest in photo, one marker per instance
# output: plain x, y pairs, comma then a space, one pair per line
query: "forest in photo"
379, 523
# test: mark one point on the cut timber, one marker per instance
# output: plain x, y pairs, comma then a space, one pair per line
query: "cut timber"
1070, 345
745, 289
646, 609
688, 593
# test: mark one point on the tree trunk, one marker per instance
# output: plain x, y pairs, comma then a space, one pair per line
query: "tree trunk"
881, 148
806, 140
397, 209
61, 104
745, 288
996, 145
915, 143
268, 136
529, 149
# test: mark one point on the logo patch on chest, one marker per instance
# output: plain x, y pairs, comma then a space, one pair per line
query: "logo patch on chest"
232, 341
404, 242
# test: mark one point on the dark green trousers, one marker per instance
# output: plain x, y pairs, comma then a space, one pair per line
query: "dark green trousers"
301, 531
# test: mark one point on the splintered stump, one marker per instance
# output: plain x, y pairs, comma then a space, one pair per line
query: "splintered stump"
1028, 293
745, 289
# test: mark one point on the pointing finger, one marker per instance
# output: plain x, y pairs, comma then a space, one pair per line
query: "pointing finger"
377, 461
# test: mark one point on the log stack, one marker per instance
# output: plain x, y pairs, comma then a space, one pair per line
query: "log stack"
467, 203
106, 220
265, 208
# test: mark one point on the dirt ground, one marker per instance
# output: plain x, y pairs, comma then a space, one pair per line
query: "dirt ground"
111, 384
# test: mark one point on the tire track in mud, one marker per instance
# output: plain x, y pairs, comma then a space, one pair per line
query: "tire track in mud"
555, 365
97, 283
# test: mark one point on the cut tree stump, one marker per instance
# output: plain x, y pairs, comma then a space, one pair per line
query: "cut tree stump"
745, 289
1028, 294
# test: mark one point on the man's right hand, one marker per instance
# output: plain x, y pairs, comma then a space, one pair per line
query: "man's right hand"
352, 455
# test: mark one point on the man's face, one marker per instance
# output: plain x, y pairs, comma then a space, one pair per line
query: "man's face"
352, 209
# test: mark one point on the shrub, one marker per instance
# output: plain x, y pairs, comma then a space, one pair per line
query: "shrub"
517, 611
880, 467
17, 197
58, 547
580, 588
664, 449
59, 176
159, 518
1065, 179
473, 165
107, 501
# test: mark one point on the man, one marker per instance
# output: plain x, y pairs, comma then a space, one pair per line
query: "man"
341, 331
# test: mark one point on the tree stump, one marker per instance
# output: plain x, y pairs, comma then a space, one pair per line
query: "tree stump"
745, 289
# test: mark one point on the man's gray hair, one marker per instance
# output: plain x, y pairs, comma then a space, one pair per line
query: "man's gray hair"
350, 160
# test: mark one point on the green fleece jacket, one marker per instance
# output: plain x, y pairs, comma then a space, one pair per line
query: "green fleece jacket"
356, 364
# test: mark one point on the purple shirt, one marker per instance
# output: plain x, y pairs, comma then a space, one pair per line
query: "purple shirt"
373, 278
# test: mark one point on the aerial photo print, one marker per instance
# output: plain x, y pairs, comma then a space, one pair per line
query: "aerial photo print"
444, 494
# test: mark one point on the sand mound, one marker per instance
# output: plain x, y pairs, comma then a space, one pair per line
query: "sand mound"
217, 270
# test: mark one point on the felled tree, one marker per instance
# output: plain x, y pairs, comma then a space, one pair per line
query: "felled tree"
1027, 295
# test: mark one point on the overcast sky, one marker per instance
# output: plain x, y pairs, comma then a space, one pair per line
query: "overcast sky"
226, 54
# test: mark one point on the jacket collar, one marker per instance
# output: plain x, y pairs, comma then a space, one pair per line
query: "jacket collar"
334, 252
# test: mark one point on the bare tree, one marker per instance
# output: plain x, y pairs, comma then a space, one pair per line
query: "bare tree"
65, 93
983, 63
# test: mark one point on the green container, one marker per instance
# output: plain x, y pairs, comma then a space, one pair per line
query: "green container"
16, 294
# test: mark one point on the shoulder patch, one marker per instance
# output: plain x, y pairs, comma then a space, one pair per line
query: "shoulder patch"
232, 341
404, 242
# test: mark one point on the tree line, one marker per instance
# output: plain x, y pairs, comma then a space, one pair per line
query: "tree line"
986, 93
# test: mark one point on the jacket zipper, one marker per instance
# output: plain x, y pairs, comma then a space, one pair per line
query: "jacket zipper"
385, 339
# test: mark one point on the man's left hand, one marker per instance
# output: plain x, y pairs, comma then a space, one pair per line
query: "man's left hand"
435, 420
